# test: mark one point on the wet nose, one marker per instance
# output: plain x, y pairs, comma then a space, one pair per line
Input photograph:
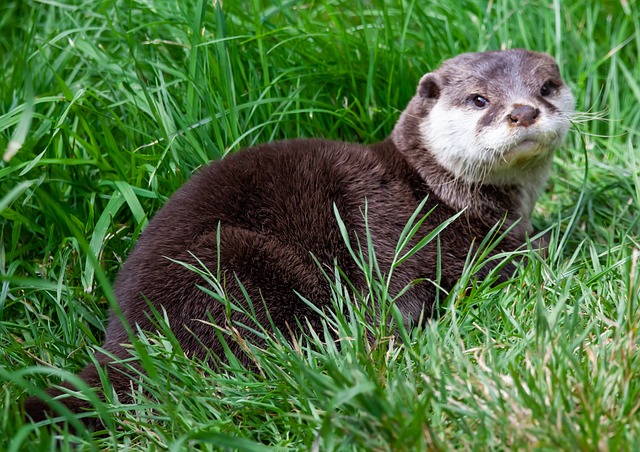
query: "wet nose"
523, 115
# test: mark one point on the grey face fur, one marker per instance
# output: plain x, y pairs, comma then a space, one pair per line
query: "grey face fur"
491, 118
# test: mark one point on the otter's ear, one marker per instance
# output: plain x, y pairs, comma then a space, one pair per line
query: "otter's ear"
429, 87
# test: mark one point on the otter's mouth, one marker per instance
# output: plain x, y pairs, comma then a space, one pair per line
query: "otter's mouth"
528, 145
524, 150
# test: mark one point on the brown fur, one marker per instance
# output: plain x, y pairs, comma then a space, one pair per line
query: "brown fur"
274, 204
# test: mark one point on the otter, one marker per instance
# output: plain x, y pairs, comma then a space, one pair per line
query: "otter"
477, 138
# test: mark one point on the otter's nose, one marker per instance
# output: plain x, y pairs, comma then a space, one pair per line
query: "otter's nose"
523, 115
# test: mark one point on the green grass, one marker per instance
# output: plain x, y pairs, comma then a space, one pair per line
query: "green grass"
116, 103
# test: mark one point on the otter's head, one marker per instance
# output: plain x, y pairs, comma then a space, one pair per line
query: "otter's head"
491, 118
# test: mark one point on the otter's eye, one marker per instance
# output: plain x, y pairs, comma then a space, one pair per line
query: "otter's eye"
479, 102
546, 89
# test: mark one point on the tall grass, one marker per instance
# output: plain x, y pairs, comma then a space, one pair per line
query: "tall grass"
111, 105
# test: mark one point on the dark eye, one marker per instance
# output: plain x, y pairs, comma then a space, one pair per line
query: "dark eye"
546, 89
479, 102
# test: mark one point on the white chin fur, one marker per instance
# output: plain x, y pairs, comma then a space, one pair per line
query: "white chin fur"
500, 155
